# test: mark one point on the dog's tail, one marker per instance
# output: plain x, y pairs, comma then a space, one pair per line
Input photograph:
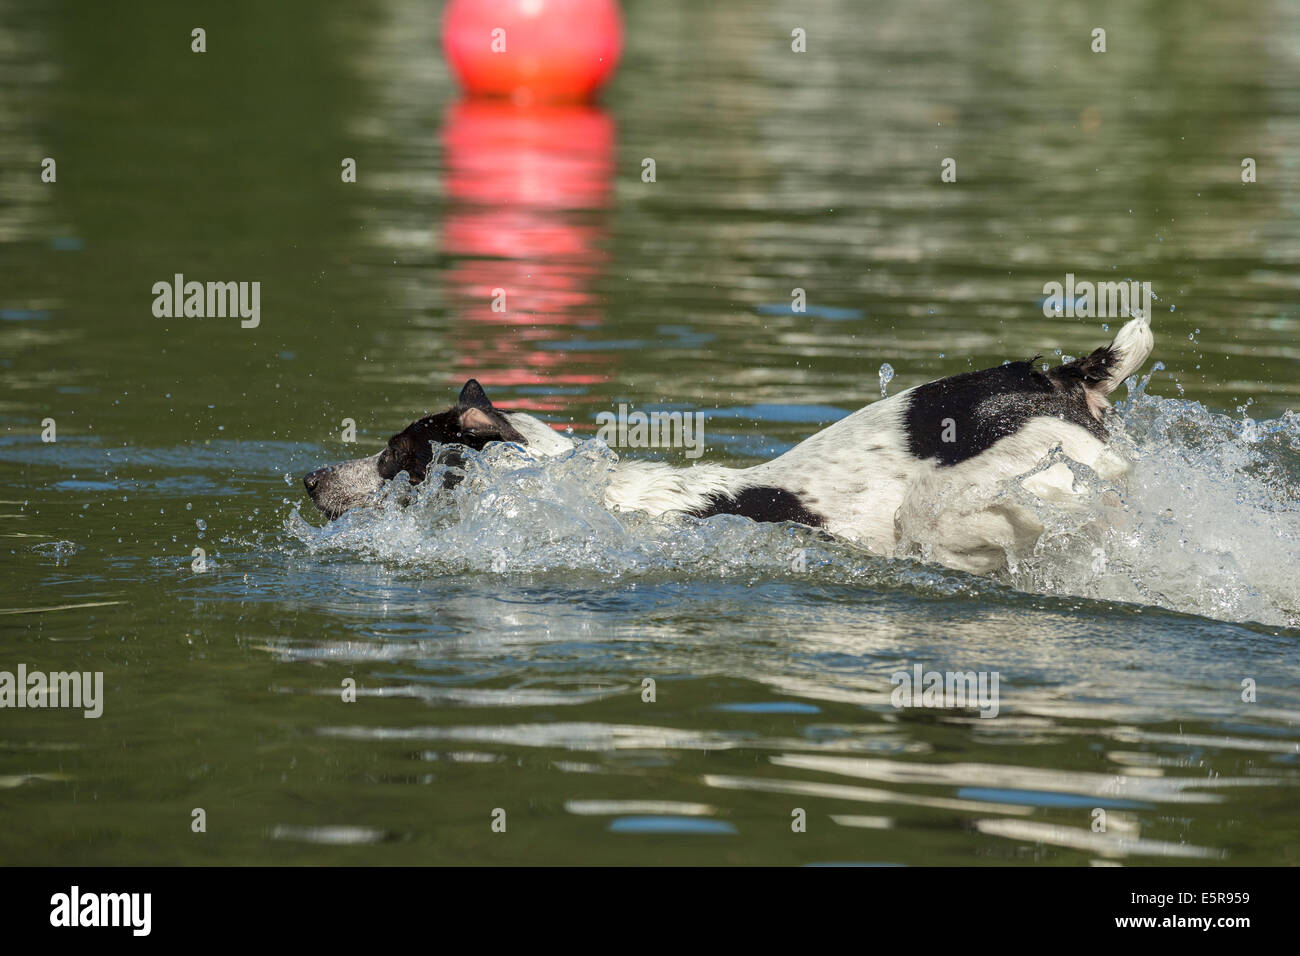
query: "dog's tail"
1102, 372
1127, 353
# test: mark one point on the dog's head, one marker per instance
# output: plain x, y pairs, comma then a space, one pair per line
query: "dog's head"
472, 422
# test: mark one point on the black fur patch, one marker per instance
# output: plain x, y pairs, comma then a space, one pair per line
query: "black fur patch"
955, 419
761, 504
411, 449
473, 423
1089, 371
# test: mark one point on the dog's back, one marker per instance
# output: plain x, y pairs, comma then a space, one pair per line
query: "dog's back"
922, 464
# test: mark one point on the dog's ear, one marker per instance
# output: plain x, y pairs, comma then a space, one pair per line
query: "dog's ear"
480, 419
475, 408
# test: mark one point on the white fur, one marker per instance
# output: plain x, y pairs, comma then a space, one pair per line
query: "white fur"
657, 488
541, 437
1133, 342
856, 472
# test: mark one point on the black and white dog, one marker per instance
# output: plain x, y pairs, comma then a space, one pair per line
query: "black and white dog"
924, 465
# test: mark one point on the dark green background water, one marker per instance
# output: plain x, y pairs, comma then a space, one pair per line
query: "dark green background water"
520, 689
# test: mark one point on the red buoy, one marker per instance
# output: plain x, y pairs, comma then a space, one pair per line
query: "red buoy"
532, 50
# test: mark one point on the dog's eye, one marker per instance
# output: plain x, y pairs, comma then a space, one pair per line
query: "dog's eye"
407, 454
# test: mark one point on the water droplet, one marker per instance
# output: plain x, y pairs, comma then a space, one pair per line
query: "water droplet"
886, 376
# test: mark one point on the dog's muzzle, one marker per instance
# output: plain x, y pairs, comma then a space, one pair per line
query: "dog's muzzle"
335, 489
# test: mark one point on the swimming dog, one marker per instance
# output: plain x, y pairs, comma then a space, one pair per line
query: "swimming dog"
922, 466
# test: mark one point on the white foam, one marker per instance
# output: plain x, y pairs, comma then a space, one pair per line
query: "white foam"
1207, 520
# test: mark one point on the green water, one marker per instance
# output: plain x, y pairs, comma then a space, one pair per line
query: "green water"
502, 667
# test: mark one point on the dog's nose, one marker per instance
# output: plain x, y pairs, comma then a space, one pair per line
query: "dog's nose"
312, 479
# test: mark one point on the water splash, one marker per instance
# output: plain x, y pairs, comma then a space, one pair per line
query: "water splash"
886, 376
1207, 522
516, 514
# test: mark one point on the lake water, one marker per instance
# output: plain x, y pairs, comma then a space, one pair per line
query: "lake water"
501, 642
